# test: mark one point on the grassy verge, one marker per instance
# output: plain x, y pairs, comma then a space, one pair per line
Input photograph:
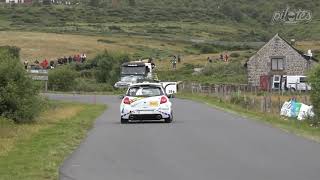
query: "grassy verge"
35, 151
289, 125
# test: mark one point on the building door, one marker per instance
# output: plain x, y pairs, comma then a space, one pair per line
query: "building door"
265, 83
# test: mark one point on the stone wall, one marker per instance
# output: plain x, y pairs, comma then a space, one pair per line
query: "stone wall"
260, 64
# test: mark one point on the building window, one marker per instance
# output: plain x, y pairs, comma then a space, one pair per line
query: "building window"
277, 64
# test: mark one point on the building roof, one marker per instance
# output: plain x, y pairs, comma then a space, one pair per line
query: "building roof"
298, 51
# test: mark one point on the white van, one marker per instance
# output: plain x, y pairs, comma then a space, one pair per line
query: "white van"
293, 83
297, 83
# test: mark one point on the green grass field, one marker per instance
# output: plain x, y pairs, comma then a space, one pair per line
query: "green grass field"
35, 150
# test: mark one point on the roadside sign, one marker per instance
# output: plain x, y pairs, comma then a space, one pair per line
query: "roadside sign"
38, 71
40, 78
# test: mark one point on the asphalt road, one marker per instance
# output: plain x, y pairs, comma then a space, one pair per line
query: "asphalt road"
201, 144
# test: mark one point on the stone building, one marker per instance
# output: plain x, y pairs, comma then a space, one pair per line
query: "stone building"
277, 57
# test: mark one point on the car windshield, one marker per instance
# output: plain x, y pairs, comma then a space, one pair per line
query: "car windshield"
127, 70
145, 91
130, 78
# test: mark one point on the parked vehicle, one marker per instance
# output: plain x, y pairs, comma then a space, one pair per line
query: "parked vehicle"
293, 83
297, 83
133, 72
146, 101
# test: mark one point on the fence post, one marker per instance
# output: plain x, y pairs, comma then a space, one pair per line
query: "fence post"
306, 100
262, 104
270, 103
279, 104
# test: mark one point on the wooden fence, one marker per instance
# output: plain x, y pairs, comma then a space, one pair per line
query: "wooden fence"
249, 97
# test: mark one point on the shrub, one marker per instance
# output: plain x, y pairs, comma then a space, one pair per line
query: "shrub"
19, 99
108, 67
12, 51
234, 54
315, 91
62, 78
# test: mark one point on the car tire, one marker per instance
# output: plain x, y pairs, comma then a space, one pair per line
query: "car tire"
124, 121
169, 120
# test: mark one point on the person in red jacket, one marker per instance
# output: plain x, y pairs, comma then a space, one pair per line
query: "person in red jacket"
44, 64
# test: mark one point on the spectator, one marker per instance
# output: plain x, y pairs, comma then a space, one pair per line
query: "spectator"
44, 64
83, 57
209, 59
60, 61
179, 59
70, 59
221, 57
36, 62
226, 57
51, 63
174, 62
25, 63
65, 60
78, 58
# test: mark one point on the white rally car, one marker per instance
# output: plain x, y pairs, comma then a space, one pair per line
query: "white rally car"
146, 101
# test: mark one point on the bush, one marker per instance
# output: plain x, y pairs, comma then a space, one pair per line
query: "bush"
19, 99
62, 78
315, 92
108, 67
234, 54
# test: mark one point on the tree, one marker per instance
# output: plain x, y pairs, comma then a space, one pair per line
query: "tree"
108, 67
19, 96
315, 93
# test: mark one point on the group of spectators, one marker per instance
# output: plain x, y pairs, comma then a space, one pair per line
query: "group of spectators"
45, 64
223, 57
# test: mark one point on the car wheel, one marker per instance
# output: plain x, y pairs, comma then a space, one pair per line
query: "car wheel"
169, 120
124, 121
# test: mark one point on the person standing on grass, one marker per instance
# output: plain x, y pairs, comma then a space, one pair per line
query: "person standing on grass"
70, 59
83, 57
45, 64
25, 63
221, 57
179, 59
51, 64
226, 57
65, 60
174, 62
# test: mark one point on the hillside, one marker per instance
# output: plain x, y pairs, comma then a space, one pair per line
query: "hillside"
224, 20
